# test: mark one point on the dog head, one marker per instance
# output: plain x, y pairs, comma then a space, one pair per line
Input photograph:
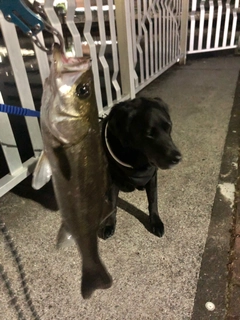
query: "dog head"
144, 124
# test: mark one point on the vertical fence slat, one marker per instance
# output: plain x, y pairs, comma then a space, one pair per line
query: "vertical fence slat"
101, 55
218, 26
201, 25
146, 46
167, 33
114, 50
150, 35
174, 33
134, 40
160, 34
178, 51
184, 30
226, 24
42, 60
123, 22
176, 30
73, 29
93, 53
53, 18
234, 24
171, 35
140, 51
155, 37
192, 31
192, 25
133, 29
164, 49
8, 143
22, 83
210, 23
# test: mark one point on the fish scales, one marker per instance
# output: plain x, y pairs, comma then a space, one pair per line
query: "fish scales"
73, 153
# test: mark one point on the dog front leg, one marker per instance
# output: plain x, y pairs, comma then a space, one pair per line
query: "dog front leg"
107, 228
157, 226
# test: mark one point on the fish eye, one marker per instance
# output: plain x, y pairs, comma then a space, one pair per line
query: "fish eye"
83, 90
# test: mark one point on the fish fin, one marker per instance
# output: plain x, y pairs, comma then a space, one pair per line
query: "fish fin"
95, 278
42, 173
64, 238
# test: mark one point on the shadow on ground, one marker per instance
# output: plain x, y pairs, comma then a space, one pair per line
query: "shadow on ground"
135, 212
45, 196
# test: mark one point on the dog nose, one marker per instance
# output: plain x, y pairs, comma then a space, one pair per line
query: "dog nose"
176, 158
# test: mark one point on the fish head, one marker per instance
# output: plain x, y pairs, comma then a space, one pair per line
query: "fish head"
71, 101
74, 82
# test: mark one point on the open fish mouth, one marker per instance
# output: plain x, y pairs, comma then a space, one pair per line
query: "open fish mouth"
65, 64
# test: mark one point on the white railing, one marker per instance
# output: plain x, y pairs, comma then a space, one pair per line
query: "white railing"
213, 25
18, 170
131, 42
155, 37
106, 94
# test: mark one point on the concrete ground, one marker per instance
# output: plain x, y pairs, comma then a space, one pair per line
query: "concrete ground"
153, 278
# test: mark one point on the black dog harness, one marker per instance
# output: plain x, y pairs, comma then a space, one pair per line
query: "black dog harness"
134, 177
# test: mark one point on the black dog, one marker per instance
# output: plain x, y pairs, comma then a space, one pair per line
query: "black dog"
137, 140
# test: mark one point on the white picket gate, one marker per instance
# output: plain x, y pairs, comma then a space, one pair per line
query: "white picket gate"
131, 42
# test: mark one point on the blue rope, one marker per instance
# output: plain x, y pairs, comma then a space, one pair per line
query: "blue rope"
18, 111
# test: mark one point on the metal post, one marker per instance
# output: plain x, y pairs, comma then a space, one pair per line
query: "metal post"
124, 38
184, 31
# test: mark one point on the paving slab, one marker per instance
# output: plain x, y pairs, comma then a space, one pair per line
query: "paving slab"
153, 278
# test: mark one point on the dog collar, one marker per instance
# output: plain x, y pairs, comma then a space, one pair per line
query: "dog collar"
111, 152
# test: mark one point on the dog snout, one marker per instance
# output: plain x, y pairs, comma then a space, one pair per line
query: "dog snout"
176, 157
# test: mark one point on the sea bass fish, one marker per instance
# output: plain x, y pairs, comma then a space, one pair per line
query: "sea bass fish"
74, 156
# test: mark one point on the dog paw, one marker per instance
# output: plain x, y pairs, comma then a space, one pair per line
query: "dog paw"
106, 232
157, 228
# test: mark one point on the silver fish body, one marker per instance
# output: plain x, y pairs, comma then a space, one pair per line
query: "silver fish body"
72, 146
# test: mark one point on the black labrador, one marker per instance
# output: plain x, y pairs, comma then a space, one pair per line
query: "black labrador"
137, 140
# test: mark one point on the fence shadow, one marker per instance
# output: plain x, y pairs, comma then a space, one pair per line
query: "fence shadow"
45, 196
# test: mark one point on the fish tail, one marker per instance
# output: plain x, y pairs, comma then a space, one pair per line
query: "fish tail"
94, 277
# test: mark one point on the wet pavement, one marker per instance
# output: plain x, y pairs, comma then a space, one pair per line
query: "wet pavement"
169, 278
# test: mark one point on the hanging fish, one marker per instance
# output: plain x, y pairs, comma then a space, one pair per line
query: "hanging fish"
73, 155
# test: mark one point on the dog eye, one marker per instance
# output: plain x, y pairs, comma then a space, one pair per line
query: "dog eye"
166, 126
151, 133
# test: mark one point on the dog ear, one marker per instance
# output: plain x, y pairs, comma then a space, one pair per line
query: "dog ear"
119, 122
162, 104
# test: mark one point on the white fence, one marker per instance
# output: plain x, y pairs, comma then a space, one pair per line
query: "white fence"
131, 42
155, 38
213, 25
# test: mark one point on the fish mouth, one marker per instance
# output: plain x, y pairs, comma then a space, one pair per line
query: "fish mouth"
65, 64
